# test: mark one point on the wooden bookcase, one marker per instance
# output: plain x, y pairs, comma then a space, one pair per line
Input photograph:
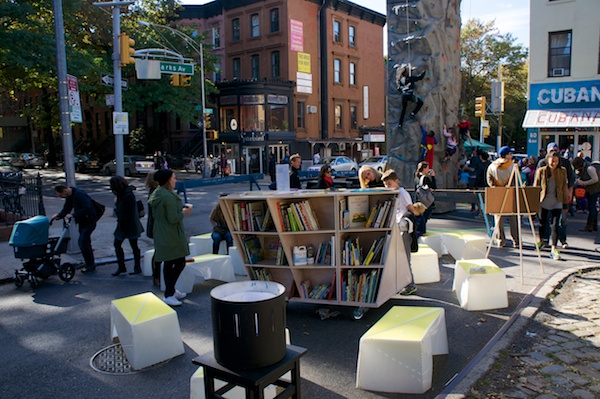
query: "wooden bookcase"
258, 244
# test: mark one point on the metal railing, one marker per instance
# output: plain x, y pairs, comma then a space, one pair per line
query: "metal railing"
20, 196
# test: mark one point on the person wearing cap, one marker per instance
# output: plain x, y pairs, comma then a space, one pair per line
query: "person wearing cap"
170, 240
499, 174
562, 223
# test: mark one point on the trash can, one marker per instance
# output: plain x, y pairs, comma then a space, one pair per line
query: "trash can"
248, 320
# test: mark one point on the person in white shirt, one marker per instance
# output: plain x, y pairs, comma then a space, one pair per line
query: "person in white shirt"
316, 158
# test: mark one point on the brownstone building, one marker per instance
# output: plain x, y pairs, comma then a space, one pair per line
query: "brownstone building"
300, 75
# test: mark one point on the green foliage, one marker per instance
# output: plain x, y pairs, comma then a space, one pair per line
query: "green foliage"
138, 140
483, 49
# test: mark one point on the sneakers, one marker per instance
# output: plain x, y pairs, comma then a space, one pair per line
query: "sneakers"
542, 244
408, 290
565, 245
172, 301
179, 295
555, 255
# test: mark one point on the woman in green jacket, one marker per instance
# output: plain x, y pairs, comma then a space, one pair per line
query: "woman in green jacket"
170, 241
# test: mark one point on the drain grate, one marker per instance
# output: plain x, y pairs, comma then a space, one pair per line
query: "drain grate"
112, 360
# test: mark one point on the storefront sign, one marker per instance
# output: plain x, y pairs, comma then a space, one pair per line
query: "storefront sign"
566, 95
253, 137
304, 62
570, 118
296, 35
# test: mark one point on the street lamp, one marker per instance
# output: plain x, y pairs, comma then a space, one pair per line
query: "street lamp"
198, 49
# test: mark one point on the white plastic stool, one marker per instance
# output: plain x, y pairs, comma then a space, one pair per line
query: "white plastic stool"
464, 245
424, 265
147, 266
204, 244
238, 263
203, 267
479, 285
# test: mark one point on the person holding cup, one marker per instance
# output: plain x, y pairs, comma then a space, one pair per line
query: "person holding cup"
170, 240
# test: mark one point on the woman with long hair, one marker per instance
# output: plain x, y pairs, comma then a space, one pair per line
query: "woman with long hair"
170, 241
325, 179
128, 224
425, 177
369, 177
554, 197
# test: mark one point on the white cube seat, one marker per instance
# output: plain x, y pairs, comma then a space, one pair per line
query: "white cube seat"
462, 245
204, 244
238, 263
147, 328
424, 265
147, 266
433, 241
201, 268
479, 285
395, 355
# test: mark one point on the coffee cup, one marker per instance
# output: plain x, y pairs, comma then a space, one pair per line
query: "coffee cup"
188, 205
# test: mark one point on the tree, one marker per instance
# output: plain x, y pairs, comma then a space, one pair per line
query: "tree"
483, 49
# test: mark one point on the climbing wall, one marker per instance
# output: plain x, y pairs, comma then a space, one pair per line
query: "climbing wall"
424, 34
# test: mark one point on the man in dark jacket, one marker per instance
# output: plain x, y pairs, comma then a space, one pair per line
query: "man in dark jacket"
79, 206
295, 164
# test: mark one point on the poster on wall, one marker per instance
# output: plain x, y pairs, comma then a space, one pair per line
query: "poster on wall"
296, 35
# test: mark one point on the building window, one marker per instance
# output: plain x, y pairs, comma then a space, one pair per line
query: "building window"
235, 29
254, 25
338, 116
352, 80
274, 17
275, 73
217, 74
301, 114
337, 26
255, 59
237, 66
559, 54
216, 32
337, 68
351, 36
353, 117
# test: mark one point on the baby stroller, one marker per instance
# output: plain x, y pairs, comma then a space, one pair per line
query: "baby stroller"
30, 240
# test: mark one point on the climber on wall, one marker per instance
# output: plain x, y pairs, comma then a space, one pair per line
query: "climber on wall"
406, 85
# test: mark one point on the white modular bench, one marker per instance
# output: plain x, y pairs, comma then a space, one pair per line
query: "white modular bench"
204, 244
395, 355
424, 265
147, 328
149, 255
479, 285
433, 241
201, 268
462, 245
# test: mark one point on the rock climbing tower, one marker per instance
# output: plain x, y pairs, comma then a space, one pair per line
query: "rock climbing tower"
423, 35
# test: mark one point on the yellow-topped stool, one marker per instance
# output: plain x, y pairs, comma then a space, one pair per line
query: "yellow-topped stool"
479, 284
395, 355
462, 245
147, 328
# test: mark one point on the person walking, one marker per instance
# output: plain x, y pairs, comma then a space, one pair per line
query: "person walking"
128, 224
316, 158
588, 178
159, 161
170, 241
499, 174
152, 185
80, 206
554, 197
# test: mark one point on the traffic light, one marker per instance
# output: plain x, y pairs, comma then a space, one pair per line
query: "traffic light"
185, 80
207, 121
175, 80
480, 107
126, 49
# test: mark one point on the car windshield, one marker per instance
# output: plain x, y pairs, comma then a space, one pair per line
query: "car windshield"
374, 159
326, 161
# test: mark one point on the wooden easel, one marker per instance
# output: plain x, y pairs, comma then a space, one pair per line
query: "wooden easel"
496, 234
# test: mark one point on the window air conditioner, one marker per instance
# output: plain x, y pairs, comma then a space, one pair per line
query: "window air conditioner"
311, 109
558, 72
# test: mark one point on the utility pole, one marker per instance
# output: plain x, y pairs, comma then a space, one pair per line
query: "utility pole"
116, 57
499, 138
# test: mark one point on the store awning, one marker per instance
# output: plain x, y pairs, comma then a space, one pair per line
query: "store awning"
566, 118
470, 144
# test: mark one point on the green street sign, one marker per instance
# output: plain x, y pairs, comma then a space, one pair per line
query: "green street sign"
174, 68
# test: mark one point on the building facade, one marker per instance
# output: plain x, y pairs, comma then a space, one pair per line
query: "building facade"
564, 76
301, 76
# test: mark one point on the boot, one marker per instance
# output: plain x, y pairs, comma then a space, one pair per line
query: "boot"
595, 224
136, 270
588, 227
120, 271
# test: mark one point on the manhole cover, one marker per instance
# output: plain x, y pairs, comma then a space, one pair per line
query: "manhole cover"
112, 360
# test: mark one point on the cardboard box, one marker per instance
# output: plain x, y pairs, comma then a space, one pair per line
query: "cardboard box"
494, 197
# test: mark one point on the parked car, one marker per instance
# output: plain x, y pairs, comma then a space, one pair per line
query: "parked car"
337, 163
11, 159
110, 168
87, 163
33, 160
145, 165
377, 162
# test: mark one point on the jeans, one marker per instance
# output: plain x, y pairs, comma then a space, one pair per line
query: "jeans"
562, 227
217, 238
550, 220
422, 220
593, 206
85, 244
171, 271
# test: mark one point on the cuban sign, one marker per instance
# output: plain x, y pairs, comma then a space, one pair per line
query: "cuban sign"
173, 67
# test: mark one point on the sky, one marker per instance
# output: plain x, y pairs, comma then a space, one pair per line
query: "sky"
512, 16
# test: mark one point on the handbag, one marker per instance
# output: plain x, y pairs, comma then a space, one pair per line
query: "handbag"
99, 208
140, 208
424, 194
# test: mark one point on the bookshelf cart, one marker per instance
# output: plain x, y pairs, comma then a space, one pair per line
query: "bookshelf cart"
277, 234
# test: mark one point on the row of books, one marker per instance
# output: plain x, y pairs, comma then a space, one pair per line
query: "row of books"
360, 286
381, 214
355, 212
252, 216
272, 250
353, 254
262, 274
297, 216
319, 291
323, 255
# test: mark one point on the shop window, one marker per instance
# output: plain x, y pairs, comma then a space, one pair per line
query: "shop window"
278, 118
274, 17
254, 25
559, 53
235, 29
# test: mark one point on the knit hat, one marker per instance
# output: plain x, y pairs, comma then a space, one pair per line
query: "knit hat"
162, 176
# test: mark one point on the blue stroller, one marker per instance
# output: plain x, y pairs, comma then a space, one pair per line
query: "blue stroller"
29, 239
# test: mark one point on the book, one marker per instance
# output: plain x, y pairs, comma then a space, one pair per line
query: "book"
358, 207
256, 212
344, 215
331, 288
267, 221
243, 216
310, 213
304, 214
253, 250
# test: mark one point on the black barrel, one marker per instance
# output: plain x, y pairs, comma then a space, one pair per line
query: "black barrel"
248, 324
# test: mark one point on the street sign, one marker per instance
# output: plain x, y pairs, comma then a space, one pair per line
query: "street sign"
108, 80
173, 67
120, 123
74, 102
